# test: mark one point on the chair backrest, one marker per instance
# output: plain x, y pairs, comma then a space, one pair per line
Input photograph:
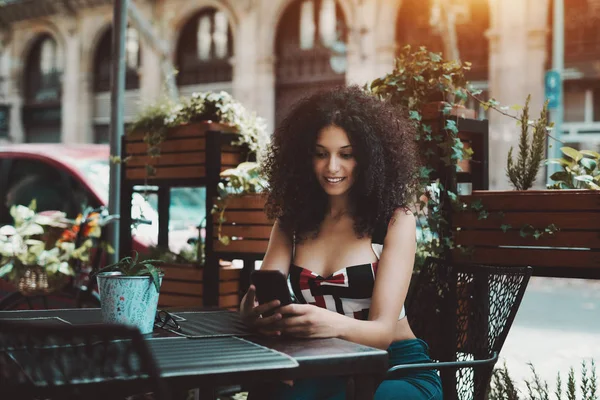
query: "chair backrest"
50, 359
464, 312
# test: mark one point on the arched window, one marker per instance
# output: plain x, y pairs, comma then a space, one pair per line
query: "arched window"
42, 72
423, 23
42, 85
312, 37
204, 48
103, 56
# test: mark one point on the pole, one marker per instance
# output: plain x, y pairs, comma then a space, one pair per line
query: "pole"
558, 65
117, 91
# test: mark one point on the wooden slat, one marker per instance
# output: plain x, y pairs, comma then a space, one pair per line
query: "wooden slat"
186, 158
245, 231
533, 257
539, 220
197, 288
182, 272
173, 300
186, 272
185, 172
246, 217
231, 300
249, 202
539, 200
193, 129
231, 159
168, 146
242, 246
181, 288
513, 238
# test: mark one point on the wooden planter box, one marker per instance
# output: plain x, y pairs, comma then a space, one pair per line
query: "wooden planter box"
246, 224
183, 286
184, 154
572, 251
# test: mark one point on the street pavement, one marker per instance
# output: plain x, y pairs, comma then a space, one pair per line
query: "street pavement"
557, 326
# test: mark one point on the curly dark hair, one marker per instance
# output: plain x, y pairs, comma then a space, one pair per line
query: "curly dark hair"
383, 142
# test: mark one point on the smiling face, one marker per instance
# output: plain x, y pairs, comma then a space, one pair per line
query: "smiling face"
334, 163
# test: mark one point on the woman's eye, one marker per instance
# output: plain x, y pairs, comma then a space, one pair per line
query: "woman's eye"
347, 156
320, 155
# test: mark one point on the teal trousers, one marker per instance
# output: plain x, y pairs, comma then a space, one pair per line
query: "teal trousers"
417, 385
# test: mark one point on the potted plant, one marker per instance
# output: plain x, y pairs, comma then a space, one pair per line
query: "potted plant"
129, 291
169, 139
40, 253
556, 231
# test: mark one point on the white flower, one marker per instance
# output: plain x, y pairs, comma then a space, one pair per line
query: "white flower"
7, 230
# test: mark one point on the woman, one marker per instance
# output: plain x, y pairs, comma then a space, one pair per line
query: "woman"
340, 171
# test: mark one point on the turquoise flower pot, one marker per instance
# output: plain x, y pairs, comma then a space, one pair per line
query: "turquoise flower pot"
129, 300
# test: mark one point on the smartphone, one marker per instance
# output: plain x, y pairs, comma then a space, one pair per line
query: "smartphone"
271, 285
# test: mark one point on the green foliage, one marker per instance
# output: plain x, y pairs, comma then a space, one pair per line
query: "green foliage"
419, 78
522, 173
133, 266
503, 387
579, 170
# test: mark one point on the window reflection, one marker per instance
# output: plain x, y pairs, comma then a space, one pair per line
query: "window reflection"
48, 56
307, 25
327, 23
132, 48
220, 35
203, 38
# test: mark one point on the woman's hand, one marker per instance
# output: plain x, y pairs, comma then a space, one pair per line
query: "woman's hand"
252, 313
307, 321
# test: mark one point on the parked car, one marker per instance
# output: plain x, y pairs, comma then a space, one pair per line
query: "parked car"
70, 177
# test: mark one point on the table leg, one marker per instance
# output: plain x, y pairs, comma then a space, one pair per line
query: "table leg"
361, 387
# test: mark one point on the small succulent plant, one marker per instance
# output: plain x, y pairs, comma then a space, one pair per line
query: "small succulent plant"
133, 266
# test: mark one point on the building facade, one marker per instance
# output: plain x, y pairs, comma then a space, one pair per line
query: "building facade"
55, 58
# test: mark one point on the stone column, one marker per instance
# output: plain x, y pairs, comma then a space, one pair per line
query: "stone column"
71, 101
152, 79
245, 85
509, 80
14, 96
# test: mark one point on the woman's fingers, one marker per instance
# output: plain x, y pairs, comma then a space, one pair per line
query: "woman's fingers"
269, 332
263, 308
266, 321
250, 297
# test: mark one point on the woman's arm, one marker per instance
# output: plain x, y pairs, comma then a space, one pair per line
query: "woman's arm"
279, 251
391, 285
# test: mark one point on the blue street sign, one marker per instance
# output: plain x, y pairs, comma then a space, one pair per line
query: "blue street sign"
552, 85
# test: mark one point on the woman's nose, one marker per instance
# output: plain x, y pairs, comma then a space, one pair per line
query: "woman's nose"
333, 164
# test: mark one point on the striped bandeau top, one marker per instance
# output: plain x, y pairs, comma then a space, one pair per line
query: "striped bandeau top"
347, 291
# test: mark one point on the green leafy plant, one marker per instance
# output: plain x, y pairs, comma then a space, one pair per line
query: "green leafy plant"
523, 171
245, 179
133, 266
503, 387
579, 170
421, 77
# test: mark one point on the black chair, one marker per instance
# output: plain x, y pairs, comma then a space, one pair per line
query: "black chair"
464, 312
48, 360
